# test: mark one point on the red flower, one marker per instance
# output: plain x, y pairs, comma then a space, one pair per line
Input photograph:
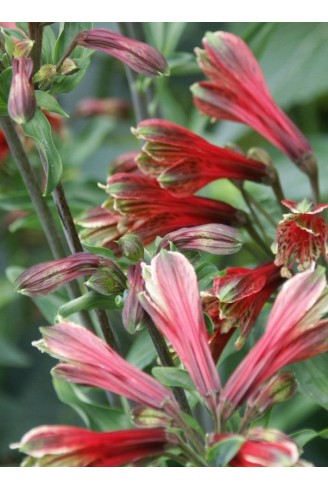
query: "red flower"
236, 301
172, 300
137, 55
4, 150
238, 92
61, 445
262, 448
183, 162
89, 360
301, 236
294, 332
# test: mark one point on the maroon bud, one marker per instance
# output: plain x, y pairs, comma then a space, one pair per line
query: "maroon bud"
22, 103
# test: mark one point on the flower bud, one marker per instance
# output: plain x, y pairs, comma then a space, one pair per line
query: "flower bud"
108, 280
69, 67
278, 389
134, 316
131, 247
149, 417
46, 73
260, 155
22, 102
23, 48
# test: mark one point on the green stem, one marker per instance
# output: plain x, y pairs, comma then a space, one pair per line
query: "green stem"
253, 212
277, 189
261, 209
36, 34
66, 54
256, 237
192, 455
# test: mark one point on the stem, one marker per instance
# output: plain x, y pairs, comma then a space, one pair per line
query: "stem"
36, 34
252, 210
66, 54
75, 246
166, 360
256, 237
40, 205
277, 189
194, 457
314, 181
261, 209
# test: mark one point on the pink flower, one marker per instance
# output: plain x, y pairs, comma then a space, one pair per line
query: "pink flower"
301, 236
183, 162
238, 92
112, 107
137, 55
262, 448
172, 300
133, 314
294, 332
22, 102
88, 360
61, 445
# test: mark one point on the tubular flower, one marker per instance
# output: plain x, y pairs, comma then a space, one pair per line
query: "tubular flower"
61, 445
172, 301
236, 301
238, 92
183, 162
47, 277
134, 316
263, 448
88, 360
215, 239
125, 163
139, 56
301, 236
22, 102
294, 332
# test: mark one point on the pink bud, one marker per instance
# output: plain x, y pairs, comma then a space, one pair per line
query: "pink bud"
22, 103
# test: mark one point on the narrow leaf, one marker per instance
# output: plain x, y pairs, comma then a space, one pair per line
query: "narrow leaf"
170, 376
48, 102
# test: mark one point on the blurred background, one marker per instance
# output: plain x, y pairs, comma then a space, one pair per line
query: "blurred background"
294, 58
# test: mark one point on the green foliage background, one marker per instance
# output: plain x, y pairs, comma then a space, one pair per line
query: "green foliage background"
294, 58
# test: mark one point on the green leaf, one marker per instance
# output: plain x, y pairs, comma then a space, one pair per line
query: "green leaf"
48, 45
12, 356
170, 376
40, 130
48, 102
305, 436
205, 274
5, 83
192, 423
88, 301
3, 108
183, 64
96, 417
69, 82
222, 452
142, 352
67, 33
312, 378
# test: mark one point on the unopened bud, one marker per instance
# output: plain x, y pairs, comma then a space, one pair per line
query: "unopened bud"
22, 102
260, 155
149, 417
46, 73
134, 316
108, 280
69, 67
131, 247
23, 48
278, 389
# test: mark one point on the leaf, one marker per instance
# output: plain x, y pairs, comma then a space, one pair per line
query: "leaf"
222, 452
5, 83
48, 43
312, 378
170, 376
96, 417
40, 130
69, 82
49, 103
305, 436
205, 274
67, 33
3, 108
12, 356
142, 352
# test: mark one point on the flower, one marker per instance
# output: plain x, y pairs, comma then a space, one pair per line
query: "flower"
62, 445
236, 301
21, 101
112, 107
301, 236
4, 150
172, 301
46, 277
262, 448
89, 360
238, 92
213, 238
294, 332
134, 316
183, 162
139, 56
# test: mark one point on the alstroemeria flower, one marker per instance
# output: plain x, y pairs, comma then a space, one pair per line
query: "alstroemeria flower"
302, 236
133, 314
125, 163
46, 277
236, 301
294, 332
172, 301
21, 101
238, 92
139, 56
263, 448
4, 150
89, 360
61, 445
212, 238
112, 107
183, 162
